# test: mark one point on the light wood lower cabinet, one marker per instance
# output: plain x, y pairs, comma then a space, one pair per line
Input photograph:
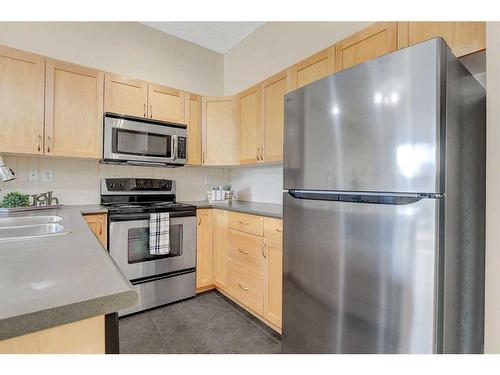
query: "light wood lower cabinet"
204, 253
98, 223
82, 337
246, 286
21, 101
274, 281
220, 243
73, 110
247, 267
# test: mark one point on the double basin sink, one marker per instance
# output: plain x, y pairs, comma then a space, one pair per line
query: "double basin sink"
36, 226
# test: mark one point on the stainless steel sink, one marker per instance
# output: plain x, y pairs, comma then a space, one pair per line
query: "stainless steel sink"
28, 220
25, 227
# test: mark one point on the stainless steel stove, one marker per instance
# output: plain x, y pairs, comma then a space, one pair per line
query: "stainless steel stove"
158, 279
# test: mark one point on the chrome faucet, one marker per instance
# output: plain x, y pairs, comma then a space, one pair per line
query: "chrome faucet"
6, 174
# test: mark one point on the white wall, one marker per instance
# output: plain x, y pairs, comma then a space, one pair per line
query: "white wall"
77, 181
492, 319
127, 48
278, 45
258, 184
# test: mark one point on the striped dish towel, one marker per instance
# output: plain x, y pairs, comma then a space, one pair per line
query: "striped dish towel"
159, 233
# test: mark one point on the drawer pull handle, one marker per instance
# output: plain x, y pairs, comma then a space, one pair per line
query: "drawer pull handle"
243, 287
242, 222
263, 253
278, 230
243, 251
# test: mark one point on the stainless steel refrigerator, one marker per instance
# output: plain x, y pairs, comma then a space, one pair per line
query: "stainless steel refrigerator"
384, 208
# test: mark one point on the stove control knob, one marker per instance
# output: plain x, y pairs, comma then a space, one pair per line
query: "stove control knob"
111, 186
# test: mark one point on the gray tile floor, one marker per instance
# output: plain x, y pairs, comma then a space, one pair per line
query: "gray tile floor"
208, 323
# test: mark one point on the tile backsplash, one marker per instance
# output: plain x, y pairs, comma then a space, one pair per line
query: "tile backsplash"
263, 183
76, 181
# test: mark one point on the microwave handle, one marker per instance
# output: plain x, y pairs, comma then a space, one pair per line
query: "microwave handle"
174, 147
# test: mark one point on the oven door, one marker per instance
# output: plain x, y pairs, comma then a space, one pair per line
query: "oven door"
135, 140
129, 247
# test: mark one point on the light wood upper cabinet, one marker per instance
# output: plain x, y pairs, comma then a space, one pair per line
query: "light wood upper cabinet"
204, 252
371, 42
219, 133
462, 37
250, 124
21, 101
313, 68
73, 110
273, 109
166, 104
193, 121
98, 223
220, 218
125, 96
273, 294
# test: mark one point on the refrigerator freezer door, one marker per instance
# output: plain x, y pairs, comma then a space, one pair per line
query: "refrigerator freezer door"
373, 127
359, 277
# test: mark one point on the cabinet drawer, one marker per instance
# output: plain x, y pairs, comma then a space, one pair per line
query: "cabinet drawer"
247, 250
273, 228
246, 223
246, 286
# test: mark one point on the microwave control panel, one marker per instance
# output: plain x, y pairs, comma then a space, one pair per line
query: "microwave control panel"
181, 148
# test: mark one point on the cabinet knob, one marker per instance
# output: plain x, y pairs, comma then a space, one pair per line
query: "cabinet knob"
145, 114
243, 251
39, 142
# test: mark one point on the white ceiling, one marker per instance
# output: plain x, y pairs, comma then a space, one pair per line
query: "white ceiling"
217, 36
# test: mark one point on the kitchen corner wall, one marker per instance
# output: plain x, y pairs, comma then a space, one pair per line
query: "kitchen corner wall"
77, 181
258, 184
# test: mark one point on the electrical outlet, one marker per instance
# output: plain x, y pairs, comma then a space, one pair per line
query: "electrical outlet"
33, 175
48, 175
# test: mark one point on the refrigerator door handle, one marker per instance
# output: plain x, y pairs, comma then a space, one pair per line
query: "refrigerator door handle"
363, 197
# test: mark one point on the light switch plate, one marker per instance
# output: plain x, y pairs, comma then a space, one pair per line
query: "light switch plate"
33, 175
48, 175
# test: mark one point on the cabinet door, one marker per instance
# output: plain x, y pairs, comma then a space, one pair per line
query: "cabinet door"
219, 146
462, 37
166, 104
220, 248
73, 110
21, 101
193, 120
125, 96
313, 68
273, 92
250, 123
374, 41
274, 282
98, 223
204, 253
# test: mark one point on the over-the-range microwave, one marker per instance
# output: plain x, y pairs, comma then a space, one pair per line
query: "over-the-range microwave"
139, 141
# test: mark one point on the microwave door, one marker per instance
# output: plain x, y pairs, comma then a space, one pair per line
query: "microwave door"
129, 139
